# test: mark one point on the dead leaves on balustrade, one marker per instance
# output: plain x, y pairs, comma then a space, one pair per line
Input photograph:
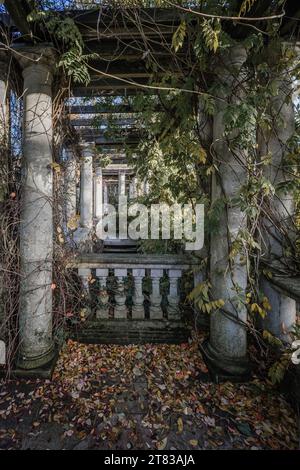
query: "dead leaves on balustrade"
142, 397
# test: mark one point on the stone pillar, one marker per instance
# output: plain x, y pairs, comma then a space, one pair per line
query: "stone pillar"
3, 166
226, 350
86, 187
279, 225
36, 225
146, 187
122, 183
3, 98
133, 188
82, 236
105, 197
70, 185
98, 194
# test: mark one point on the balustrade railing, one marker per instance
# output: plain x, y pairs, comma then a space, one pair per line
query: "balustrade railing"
133, 286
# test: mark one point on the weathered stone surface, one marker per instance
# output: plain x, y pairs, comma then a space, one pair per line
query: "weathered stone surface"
228, 277
36, 226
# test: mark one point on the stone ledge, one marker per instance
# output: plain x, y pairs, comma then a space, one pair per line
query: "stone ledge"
123, 331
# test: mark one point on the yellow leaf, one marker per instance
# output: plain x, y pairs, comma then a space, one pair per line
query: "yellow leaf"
193, 442
180, 425
161, 445
56, 167
202, 155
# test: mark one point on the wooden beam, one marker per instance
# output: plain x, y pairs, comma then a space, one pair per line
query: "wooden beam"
113, 87
98, 137
96, 122
98, 109
19, 10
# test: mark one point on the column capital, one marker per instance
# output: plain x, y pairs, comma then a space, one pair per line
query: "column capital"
42, 58
87, 149
230, 62
235, 55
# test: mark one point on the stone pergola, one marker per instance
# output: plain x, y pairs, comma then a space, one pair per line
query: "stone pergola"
226, 350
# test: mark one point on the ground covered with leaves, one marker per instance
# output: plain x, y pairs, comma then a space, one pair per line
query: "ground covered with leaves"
141, 397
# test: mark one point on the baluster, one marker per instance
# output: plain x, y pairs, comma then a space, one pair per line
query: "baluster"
156, 312
85, 275
120, 310
138, 310
103, 298
173, 297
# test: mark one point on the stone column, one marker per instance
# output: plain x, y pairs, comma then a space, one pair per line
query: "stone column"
279, 224
122, 183
226, 350
86, 186
82, 236
98, 193
133, 188
36, 225
105, 197
146, 187
3, 169
3, 98
70, 185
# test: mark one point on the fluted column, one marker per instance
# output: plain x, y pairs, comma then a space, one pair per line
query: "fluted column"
226, 350
36, 220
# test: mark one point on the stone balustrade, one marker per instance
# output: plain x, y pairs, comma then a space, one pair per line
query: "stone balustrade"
130, 286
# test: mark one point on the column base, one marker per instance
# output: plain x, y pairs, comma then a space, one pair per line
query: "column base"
40, 372
223, 368
29, 363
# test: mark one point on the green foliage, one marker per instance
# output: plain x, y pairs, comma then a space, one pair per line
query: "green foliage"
246, 6
277, 371
200, 296
178, 36
211, 30
69, 41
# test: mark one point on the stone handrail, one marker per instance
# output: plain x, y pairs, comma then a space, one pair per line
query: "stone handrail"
117, 266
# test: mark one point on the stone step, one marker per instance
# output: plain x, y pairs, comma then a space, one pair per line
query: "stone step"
124, 331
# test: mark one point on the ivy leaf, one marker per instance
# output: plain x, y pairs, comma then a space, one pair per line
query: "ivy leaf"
178, 36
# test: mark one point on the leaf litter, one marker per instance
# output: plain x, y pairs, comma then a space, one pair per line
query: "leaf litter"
141, 397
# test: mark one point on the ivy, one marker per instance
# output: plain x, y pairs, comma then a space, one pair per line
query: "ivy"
64, 30
178, 36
